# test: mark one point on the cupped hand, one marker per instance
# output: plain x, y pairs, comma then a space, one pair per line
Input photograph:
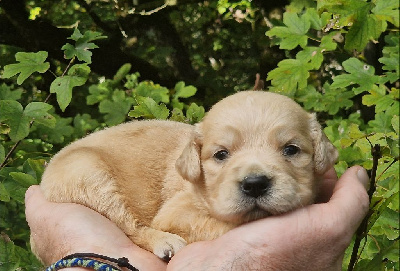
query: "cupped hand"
311, 238
60, 229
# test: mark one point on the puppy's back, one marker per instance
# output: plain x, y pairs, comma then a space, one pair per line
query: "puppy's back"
126, 163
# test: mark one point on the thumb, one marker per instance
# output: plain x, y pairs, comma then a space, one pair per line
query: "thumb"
350, 195
34, 200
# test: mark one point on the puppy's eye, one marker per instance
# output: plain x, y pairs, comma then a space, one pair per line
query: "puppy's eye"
221, 155
290, 150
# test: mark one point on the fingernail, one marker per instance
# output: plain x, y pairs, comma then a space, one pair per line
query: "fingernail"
363, 177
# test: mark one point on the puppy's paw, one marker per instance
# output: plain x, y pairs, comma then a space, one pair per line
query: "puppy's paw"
168, 245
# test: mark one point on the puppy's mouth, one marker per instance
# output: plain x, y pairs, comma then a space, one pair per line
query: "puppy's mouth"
256, 212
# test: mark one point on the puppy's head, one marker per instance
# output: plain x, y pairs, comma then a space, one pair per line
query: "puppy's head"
256, 154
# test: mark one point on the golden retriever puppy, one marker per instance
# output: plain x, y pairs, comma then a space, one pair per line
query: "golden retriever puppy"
166, 184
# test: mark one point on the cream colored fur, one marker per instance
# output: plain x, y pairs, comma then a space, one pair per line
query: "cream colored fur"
160, 182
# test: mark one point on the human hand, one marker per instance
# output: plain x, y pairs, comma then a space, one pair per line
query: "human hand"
311, 238
60, 229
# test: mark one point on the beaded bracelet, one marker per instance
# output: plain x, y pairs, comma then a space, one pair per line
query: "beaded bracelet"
86, 260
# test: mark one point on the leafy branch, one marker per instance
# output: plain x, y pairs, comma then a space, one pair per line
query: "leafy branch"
14, 147
21, 120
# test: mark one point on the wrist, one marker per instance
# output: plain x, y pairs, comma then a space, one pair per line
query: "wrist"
129, 257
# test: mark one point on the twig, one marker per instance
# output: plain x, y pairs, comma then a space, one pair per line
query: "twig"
258, 84
68, 66
9, 154
394, 161
19, 141
147, 13
362, 229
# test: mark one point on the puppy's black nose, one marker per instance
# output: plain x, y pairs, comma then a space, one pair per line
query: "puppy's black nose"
255, 186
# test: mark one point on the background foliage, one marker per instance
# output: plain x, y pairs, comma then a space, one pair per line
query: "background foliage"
72, 67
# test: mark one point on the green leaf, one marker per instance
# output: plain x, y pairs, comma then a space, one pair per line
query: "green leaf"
336, 99
379, 208
390, 58
4, 195
294, 33
13, 257
300, 5
98, 93
154, 91
380, 254
182, 91
90, 36
358, 73
345, 8
379, 98
149, 109
327, 42
7, 94
18, 119
317, 22
387, 10
382, 122
82, 45
311, 99
23, 179
311, 55
351, 154
81, 52
122, 72
8, 258
12, 113
195, 113
38, 112
177, 115
2, 153
57, 134
354, 132
83, 124
354, 14
76, 35
29, 63
290, 75
35, 167
63, 86
330, 101
388, 221
116, 109
132, 80
364, 29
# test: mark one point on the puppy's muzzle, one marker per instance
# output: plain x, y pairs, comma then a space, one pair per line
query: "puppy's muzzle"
255, 186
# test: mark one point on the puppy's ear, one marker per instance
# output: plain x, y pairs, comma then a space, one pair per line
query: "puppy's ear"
188, 164
325, 154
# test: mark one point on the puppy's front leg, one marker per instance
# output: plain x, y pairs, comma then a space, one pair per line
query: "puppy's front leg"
162, 244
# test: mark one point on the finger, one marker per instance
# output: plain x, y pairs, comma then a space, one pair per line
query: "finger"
350, 195
330, 174
34, 200
30, 192
327, 185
